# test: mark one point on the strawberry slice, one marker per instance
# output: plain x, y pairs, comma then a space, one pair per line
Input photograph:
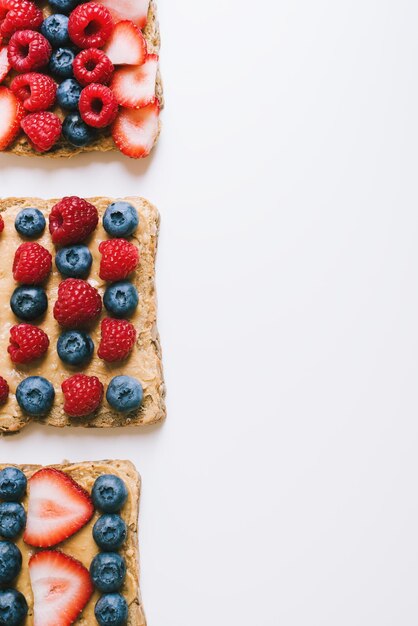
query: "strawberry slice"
126, 45
134, 87
5, 66
11, 114
61, 588
134, 10
136, 130
57, 508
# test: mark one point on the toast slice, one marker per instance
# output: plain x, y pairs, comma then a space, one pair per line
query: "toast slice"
144, 363
82, 545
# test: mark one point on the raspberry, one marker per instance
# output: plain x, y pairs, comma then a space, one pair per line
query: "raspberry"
119, 259
78, 303
36, 91
82, 394
19, 15
118, 339
90, 25
92, 66
28, 51
32, 264
27, 343
43, 129
98, 106
4, 390
1, 224
72, 220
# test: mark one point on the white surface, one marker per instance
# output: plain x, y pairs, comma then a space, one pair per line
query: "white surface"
282, 488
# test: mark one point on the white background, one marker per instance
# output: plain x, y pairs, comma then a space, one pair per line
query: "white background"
282, 489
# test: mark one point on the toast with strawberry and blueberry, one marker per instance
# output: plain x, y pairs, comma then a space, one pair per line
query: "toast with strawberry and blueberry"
79, 344
79, 76
69, 544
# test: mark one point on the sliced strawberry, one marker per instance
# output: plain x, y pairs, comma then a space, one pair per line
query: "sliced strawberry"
126, 45
135, 130
57, 508
11, 114
5, 66
61, 588
134, 10
134, 87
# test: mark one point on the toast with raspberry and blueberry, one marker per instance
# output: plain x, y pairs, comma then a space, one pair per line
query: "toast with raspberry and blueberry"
79, 345
69, 544
79, 76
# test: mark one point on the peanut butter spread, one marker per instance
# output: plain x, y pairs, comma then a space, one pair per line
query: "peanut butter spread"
144, 363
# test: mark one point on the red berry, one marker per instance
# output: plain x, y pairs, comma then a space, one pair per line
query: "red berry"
4, 390
119, 259
1, 224
98, 106
28, 51
5, 66
32, 264
72, 220
92, 66
43, 129
11, 115
78, 303
135, 131
36, 91
90, 25
118, 339
82, 394
27, 343
19, 15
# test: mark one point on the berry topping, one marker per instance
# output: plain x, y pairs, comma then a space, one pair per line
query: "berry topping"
20, 15
134, 87
78, 303
29, 303
111, 610
109, 493
30, 222
27, 343
72, 220
43, 129
4, 391
5, 66
35, 395
12, 484
36, 91
136, 130
124, 394
11, 114
28, 51
109, 532
126, 45
55, 29
92, 66
13, 607
90, 25
12, 519
61, 588
108, 571
75, 347
1, 224
119, 259
121, 299
32, 263
134, 10
120, 219
74, 261
68, 94
82, 395
118, 339
98, 106
61, 63
77, 132
10, 562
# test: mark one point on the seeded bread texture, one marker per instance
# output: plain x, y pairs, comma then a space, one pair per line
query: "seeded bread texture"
104, 142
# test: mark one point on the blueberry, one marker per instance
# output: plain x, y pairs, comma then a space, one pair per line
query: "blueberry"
64, 6
124, 393
12, 484
12, 519
74, 261
109, 532
13, 607
121, 298
61, 62
10, 562
111, 610
76, 131
109, 493
75, 347
55, 29
35, 395
28, 302
68, 94
108, 571
30, 223
120, 219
